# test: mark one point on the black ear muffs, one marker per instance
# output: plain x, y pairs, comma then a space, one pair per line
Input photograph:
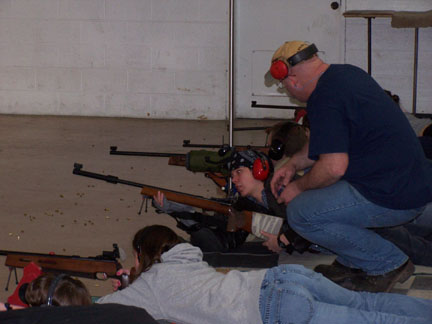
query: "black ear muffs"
22, 291
138, 251
261, 168
276, 150
52, 288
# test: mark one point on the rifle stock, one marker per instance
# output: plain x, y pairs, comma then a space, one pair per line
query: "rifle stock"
203, 203
99, 267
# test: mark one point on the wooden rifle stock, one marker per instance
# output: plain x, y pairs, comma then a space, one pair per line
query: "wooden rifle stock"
236, 221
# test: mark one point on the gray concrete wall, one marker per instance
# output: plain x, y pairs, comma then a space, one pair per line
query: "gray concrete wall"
132, 58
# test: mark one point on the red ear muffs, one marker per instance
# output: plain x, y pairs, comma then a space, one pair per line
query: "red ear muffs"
260, 169
279, 70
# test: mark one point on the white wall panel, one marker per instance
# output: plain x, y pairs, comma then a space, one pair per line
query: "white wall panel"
261, 27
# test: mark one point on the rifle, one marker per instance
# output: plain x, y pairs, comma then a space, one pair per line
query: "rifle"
251, 222
186, 143
100, 267
246, 220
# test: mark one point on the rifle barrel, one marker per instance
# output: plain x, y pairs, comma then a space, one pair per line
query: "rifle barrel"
114, 151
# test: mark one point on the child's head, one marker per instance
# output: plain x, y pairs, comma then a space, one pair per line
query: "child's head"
394, 96
57, 290
245, 182
286, 139
150, 242
248, 171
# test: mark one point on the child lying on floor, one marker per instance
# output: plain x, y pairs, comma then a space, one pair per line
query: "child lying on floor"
171, 282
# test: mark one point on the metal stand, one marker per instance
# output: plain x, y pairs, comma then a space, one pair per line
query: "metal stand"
369, 14
9, 277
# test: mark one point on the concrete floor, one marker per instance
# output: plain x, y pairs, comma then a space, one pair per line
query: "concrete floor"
45, 208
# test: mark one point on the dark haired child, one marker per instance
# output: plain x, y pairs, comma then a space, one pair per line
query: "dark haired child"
173, 283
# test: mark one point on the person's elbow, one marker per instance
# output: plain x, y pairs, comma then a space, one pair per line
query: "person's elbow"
337, 164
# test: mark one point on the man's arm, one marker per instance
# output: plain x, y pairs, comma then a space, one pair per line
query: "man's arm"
283, 175
324, 172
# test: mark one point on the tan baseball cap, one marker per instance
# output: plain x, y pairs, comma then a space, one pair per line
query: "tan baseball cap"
290, 53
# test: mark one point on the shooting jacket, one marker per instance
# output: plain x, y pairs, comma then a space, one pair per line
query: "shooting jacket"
185, 290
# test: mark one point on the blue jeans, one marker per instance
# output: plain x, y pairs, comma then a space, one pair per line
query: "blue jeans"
296, 295
337, 217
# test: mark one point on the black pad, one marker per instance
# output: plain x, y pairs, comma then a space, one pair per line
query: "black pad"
248, 255
94, 314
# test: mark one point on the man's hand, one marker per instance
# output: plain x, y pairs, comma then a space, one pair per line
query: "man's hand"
289, 193
282, 178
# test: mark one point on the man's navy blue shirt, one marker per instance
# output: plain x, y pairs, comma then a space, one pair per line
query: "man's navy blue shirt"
350, 113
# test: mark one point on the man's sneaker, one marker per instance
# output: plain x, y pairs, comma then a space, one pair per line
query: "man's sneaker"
337, 272
381, 283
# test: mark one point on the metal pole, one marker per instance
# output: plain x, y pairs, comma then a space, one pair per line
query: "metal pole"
414, 104
231, 73
369, 32
231, 82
